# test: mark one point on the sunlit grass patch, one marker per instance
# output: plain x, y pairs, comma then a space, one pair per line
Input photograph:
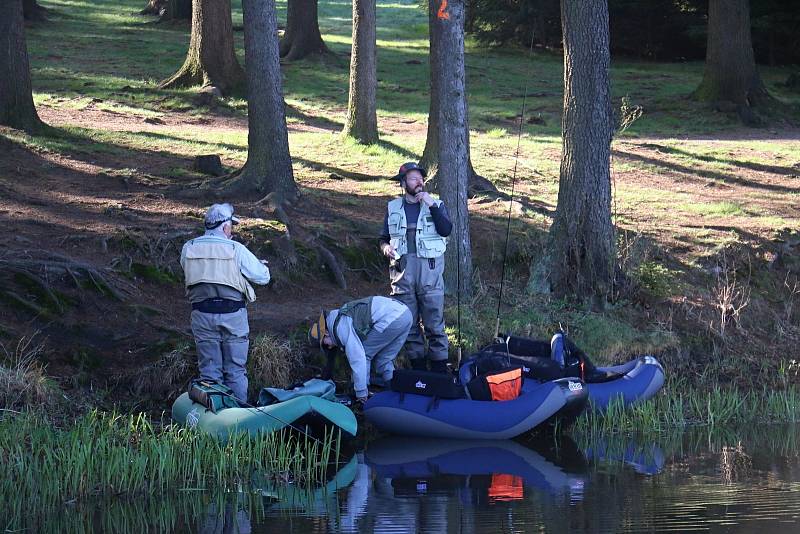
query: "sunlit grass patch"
496, 133
713, 209
609, 339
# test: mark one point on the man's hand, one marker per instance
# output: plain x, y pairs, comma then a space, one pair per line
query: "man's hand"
265, 262
390, 252
424, 197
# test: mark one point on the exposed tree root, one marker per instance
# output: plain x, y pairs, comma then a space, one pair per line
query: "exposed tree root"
47, 262
279, 207
43, 287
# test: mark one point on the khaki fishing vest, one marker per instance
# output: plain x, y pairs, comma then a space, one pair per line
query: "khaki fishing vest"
429, 243
360, 312
215, 263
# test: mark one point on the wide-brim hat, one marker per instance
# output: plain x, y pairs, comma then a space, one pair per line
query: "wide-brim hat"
318, 330
410, 166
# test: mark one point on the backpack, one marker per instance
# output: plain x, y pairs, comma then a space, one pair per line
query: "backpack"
491, 376
212, 395
500, 385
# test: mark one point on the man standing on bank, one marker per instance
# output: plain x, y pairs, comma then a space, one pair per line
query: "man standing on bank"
218, 274
414, 238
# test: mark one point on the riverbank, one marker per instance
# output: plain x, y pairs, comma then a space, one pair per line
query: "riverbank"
96, 211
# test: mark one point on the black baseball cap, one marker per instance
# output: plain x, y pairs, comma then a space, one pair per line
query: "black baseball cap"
410, 166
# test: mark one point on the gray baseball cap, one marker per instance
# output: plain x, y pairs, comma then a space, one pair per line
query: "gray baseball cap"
219, 214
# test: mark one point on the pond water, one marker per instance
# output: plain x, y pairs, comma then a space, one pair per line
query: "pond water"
701, 481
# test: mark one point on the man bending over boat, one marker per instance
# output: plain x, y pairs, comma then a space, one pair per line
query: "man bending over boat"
219, 273
371, 331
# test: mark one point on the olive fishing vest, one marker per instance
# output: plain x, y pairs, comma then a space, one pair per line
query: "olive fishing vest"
429, 243
213, 262
360, 312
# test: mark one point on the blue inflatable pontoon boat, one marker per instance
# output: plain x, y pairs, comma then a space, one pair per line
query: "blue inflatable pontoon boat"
417, 415
632, 382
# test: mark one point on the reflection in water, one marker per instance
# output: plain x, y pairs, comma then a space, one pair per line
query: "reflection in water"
226, 516
645, 459
500, 467
720, 481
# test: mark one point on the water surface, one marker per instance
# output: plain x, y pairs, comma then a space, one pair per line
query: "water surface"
699, 481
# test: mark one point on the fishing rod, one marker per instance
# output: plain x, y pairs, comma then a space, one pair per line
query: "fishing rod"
513, 185
245, 404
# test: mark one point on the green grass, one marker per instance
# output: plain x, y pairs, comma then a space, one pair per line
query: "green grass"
713, 209
110, 454
714, 408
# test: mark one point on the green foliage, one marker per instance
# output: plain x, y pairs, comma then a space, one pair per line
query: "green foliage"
656, 279
111, 454
672, 409
654, 29
151, 273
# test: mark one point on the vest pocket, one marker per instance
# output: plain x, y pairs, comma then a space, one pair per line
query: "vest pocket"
396, 226
433, 246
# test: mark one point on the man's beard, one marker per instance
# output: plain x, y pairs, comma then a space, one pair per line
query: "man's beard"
413, 192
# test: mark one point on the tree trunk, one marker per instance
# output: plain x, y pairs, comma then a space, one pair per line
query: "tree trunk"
362, 121
269, 166
211, 59
31, 10
430, 155
730, 72
16, 99
453, 135
302, 36
580, 256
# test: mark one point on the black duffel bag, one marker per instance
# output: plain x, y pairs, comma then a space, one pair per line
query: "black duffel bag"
429, 384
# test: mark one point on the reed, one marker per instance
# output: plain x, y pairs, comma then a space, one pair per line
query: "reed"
104, 454
179, 512
715, 407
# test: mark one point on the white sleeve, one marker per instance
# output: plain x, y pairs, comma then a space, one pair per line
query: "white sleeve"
356, 356
251, 267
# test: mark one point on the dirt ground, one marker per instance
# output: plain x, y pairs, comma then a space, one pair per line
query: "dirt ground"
77, 209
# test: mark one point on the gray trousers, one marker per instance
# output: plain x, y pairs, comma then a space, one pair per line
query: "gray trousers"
381, 348
222, 346
417, 283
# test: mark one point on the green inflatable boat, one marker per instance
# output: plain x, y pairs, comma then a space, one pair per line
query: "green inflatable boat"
212, 408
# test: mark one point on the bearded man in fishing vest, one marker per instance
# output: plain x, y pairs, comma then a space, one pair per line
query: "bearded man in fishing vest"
370, 331
219, 273
414, 239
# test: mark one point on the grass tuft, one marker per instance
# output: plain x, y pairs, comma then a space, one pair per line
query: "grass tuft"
23, 384
273, 362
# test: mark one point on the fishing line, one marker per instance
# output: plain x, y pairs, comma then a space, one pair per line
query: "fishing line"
513, 185
245, 404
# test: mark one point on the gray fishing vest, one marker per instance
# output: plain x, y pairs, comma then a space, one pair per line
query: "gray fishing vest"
428, 241
360, 312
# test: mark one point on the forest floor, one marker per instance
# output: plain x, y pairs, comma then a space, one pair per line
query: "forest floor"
96, 209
